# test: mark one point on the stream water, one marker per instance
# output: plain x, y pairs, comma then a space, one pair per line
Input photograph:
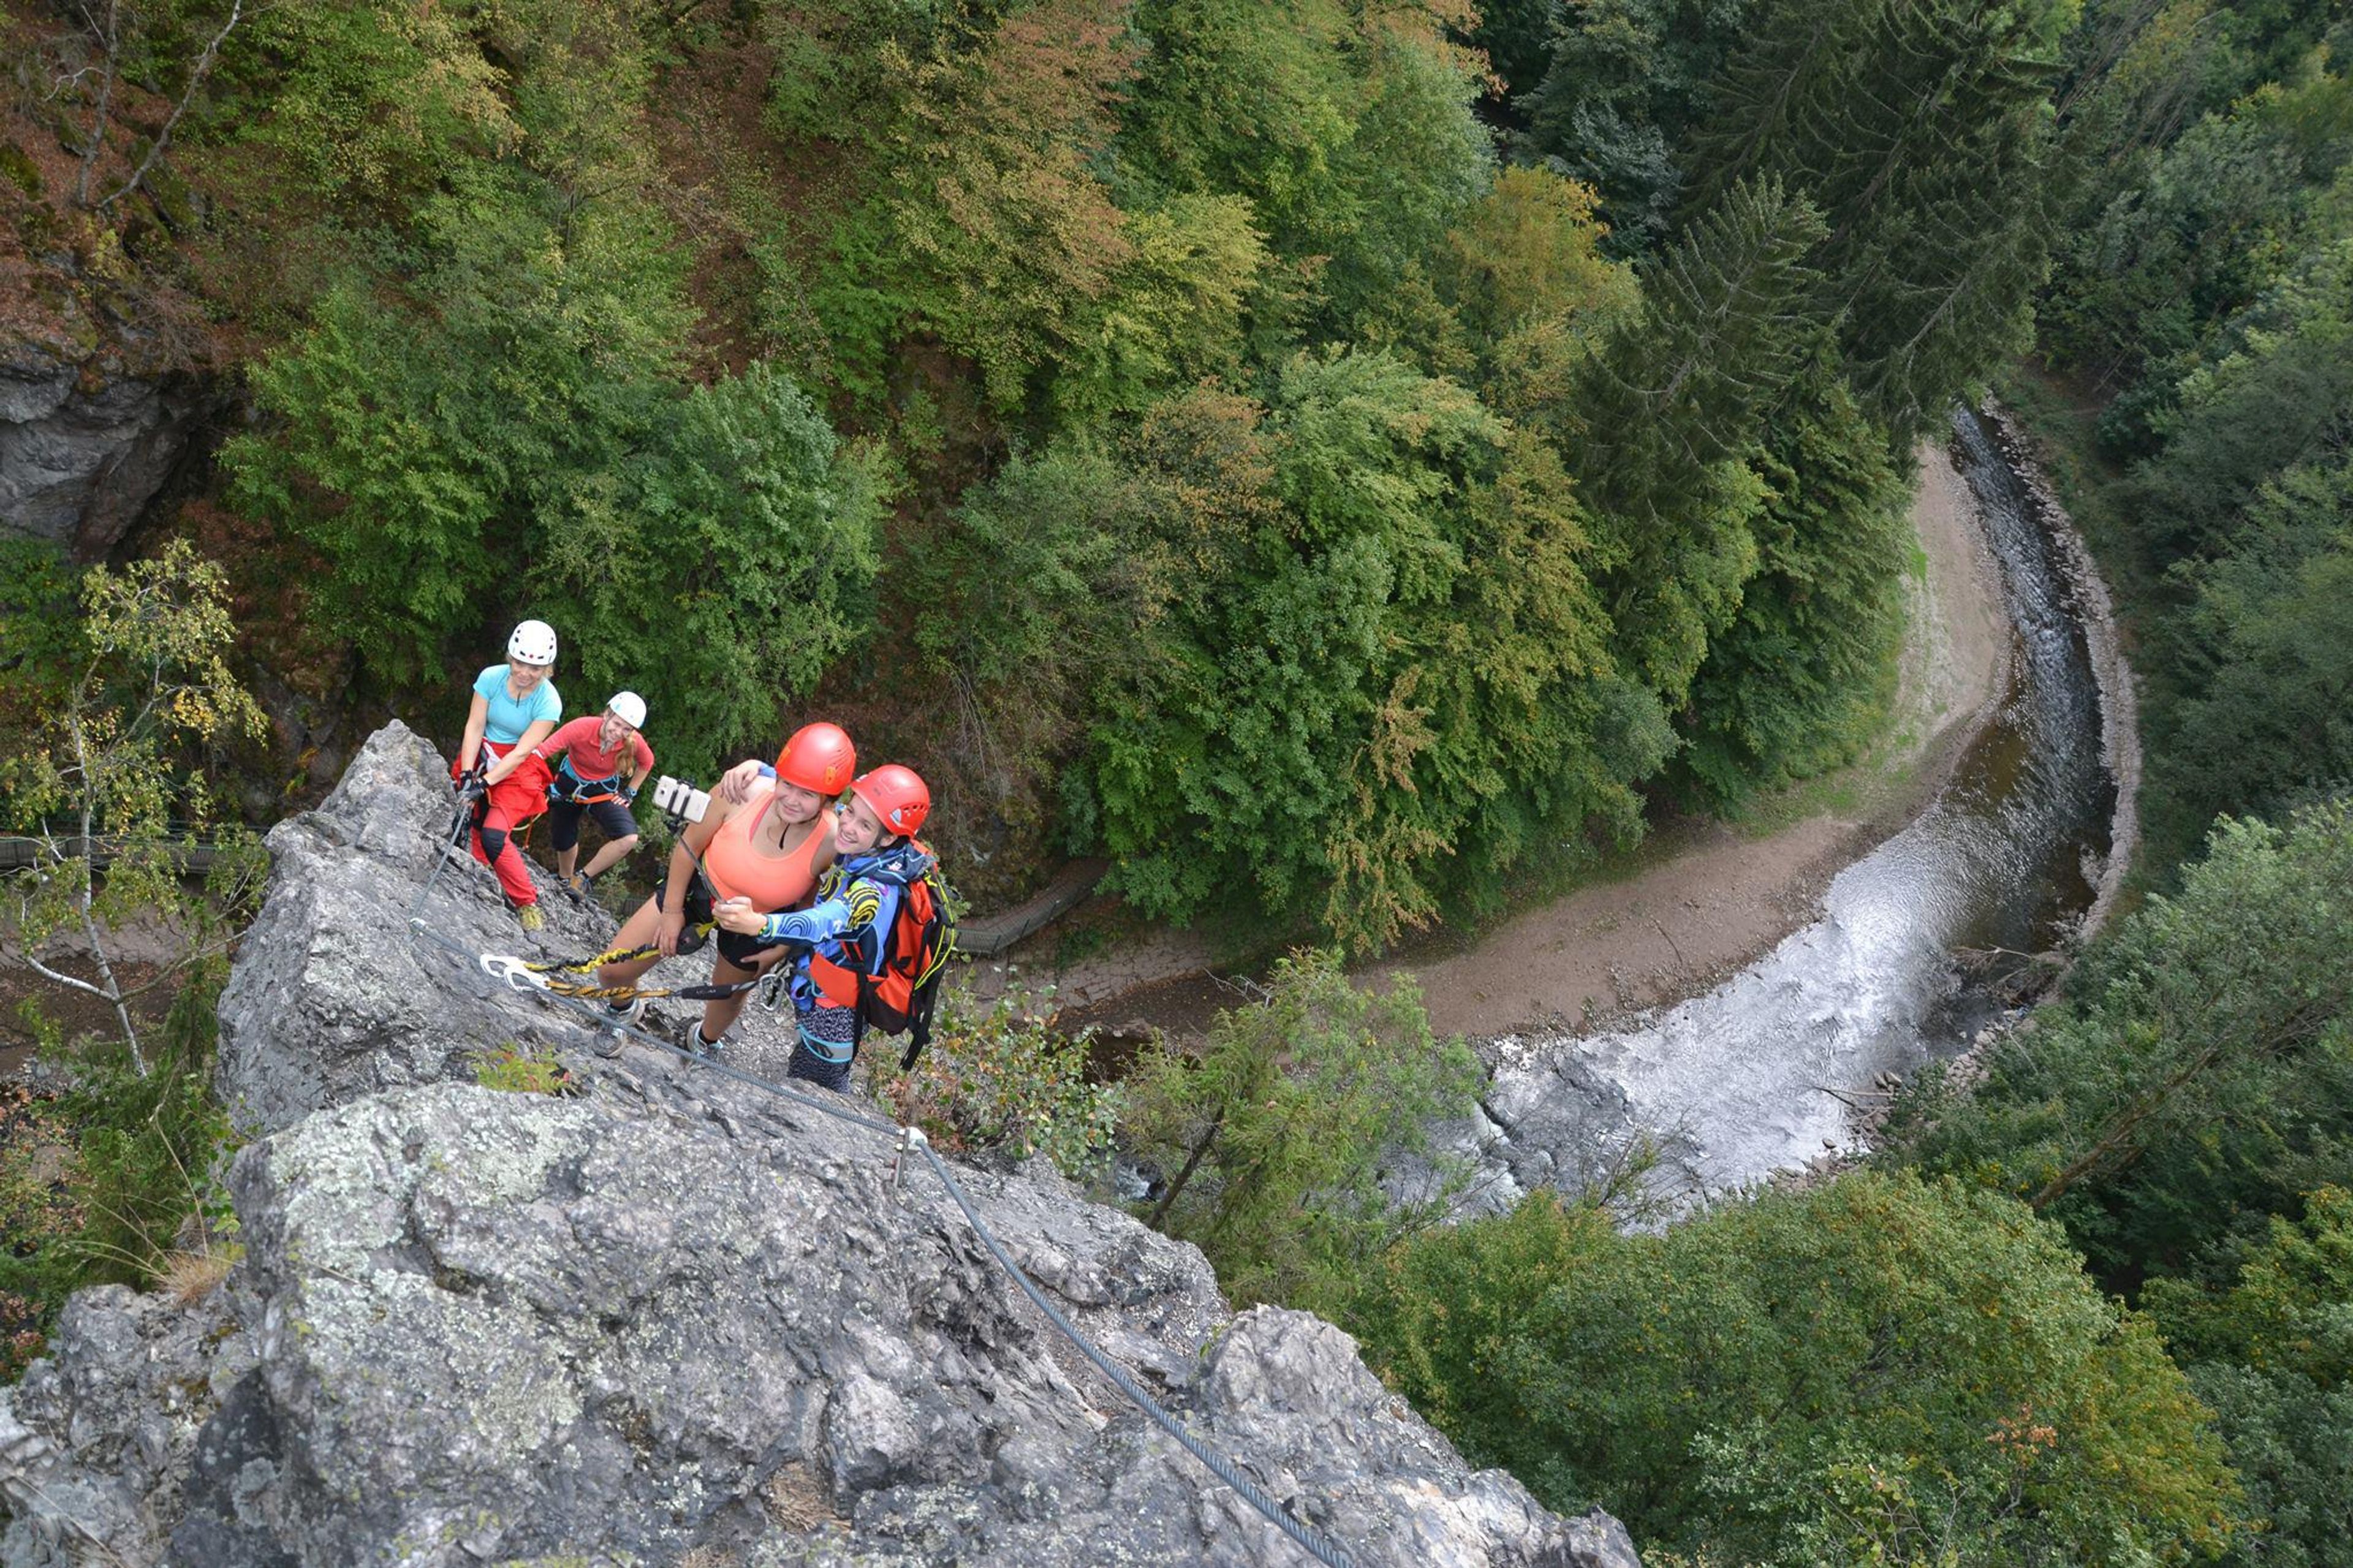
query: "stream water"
1759, 1074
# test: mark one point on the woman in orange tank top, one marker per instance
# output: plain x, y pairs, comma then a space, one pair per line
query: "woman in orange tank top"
769, 848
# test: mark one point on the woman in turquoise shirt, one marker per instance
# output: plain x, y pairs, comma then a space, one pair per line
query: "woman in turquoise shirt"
515, 708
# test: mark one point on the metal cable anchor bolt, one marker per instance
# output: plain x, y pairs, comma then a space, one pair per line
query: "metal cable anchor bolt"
909, 1138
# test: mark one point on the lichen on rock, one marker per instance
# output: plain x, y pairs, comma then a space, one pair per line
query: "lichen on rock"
679, 1316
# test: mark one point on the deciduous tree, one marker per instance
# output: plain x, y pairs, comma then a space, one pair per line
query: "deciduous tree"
1270, 1144
1877, 1370
2198, 1077
117, 771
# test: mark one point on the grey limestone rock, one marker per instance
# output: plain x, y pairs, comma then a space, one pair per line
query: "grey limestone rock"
677, 1319
96, 1440
331, 999
679, 1316
84, 443
1543, 1119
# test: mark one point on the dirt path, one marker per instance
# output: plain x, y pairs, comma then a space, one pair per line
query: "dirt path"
1714, 897
1703, 898
136, 949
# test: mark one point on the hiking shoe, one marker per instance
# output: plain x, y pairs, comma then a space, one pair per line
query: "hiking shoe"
692, 1042
612, 1023
529, 918
580, 885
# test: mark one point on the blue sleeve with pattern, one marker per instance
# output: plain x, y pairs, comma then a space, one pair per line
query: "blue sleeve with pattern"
819, 923
864, 908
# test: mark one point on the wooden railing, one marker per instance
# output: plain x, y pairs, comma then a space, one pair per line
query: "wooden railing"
991, 934
18, 852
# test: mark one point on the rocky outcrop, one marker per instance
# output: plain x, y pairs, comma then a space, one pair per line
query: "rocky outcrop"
676, 1318
1545, 1120
96, 1441
331, 999
86, 439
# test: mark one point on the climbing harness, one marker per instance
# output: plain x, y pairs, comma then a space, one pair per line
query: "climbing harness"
565, 787
906, 1140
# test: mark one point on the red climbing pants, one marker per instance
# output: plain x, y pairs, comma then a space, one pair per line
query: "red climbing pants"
513, 801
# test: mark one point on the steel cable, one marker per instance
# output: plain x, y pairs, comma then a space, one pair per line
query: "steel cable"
1308, 1539
1282, 1518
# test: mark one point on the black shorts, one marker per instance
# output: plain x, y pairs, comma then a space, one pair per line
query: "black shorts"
613, 820
737, 949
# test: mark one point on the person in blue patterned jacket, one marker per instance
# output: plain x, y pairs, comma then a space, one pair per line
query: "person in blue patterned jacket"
844, 937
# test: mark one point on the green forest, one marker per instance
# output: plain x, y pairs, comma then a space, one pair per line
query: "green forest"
1164, 425
1336, 461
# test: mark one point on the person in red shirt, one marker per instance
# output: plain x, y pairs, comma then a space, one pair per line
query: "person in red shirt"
594, 753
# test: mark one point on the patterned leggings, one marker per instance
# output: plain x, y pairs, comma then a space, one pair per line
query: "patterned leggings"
826, 1033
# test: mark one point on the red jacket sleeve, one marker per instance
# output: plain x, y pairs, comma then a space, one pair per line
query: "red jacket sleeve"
581, 731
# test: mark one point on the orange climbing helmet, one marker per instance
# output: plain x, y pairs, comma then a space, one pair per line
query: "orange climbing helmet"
897, 795
818, 757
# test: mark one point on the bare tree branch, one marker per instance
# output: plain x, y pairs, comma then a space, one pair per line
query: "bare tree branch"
97, 141
46, 972
197, 75
71, 79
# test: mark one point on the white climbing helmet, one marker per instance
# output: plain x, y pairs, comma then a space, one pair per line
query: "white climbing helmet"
628, 708
534, 643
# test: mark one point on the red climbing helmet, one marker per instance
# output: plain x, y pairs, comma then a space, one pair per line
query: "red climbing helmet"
896, 795
818, 757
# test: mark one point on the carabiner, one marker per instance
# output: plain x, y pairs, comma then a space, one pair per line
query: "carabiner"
516, 972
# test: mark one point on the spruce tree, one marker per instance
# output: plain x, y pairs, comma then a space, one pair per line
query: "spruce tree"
1675, 408
1919, 128
1627, 80
1790, 686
